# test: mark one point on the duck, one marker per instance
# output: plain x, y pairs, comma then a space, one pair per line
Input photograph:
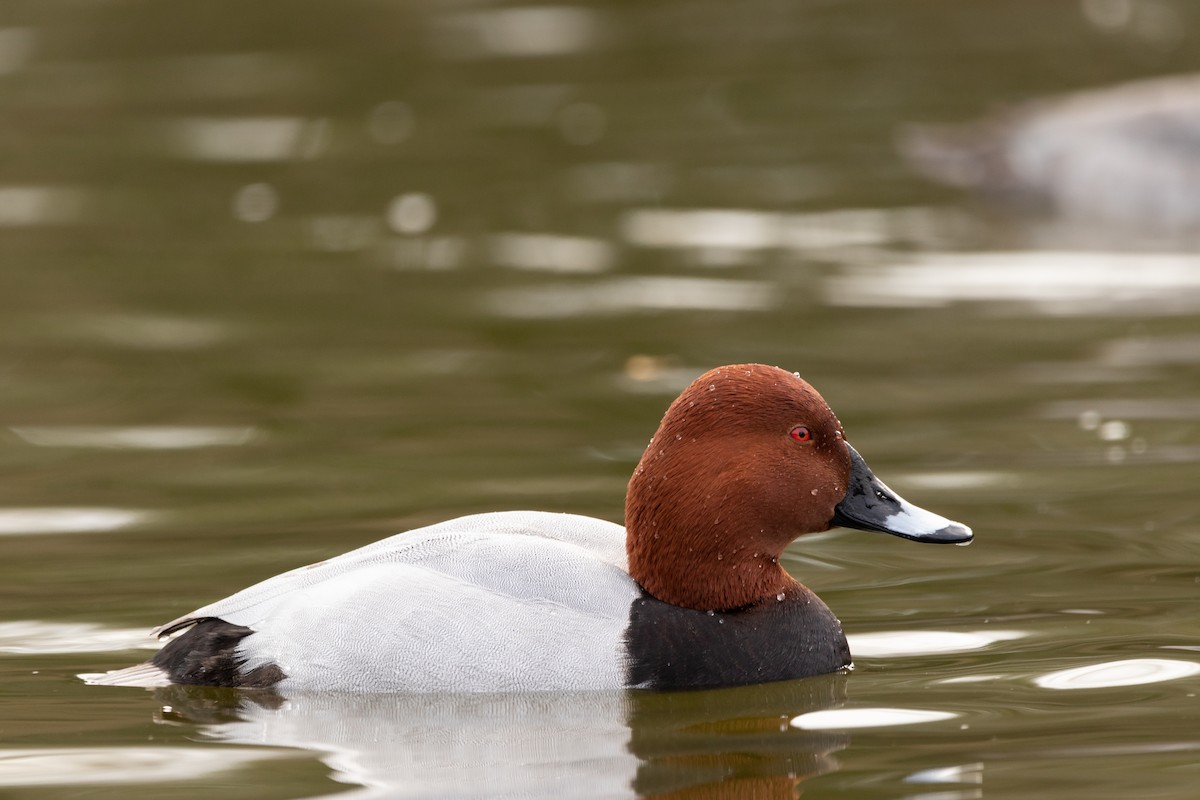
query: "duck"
1126, 155
688, 594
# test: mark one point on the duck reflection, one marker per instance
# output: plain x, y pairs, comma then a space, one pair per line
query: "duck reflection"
708, 744
733, 743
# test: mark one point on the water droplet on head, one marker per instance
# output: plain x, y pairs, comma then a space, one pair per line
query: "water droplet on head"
780, 596
719, 556
814, 492
710, 612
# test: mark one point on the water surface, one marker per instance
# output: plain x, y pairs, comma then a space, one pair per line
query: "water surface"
281, 280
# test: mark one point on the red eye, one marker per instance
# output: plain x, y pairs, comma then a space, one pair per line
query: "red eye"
801, 434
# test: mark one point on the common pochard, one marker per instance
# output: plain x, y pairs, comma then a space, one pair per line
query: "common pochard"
689, 594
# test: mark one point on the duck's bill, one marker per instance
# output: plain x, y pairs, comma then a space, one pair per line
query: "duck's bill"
869, 505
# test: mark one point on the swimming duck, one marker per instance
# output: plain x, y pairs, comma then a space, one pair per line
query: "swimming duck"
689, 594
1127, 154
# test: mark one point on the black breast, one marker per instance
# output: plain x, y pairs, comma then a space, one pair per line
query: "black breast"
678, 648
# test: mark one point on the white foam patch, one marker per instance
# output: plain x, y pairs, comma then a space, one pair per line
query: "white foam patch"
15, 521
21, 637
86, 766
1131, 672
844, 718
893, 644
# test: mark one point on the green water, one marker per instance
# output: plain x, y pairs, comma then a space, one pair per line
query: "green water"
280, 280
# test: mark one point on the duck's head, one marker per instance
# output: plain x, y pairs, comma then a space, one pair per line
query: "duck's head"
745, 460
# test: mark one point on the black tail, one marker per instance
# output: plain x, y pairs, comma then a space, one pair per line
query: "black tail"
206, 655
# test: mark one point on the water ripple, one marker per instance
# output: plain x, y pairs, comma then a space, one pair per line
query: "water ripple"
31, 636
1055, 283
843, 718
625, 295
891, 644
551, 252
136, 437
26, 206
85, 766
67, 520
1131, 672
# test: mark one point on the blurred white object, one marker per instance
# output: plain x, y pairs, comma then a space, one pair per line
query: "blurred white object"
1128, 154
